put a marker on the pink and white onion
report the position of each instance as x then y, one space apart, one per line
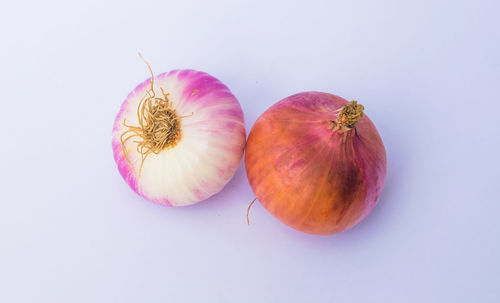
187 137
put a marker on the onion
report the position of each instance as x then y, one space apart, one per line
316 163
179 137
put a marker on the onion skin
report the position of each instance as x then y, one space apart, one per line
312 178
208 152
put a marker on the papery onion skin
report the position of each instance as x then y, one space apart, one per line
309 177
208 152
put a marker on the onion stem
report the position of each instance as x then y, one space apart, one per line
159 125
248 210
347 117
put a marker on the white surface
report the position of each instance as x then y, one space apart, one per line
72 231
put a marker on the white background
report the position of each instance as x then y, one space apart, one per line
72 231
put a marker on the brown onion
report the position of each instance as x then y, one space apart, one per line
316 162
